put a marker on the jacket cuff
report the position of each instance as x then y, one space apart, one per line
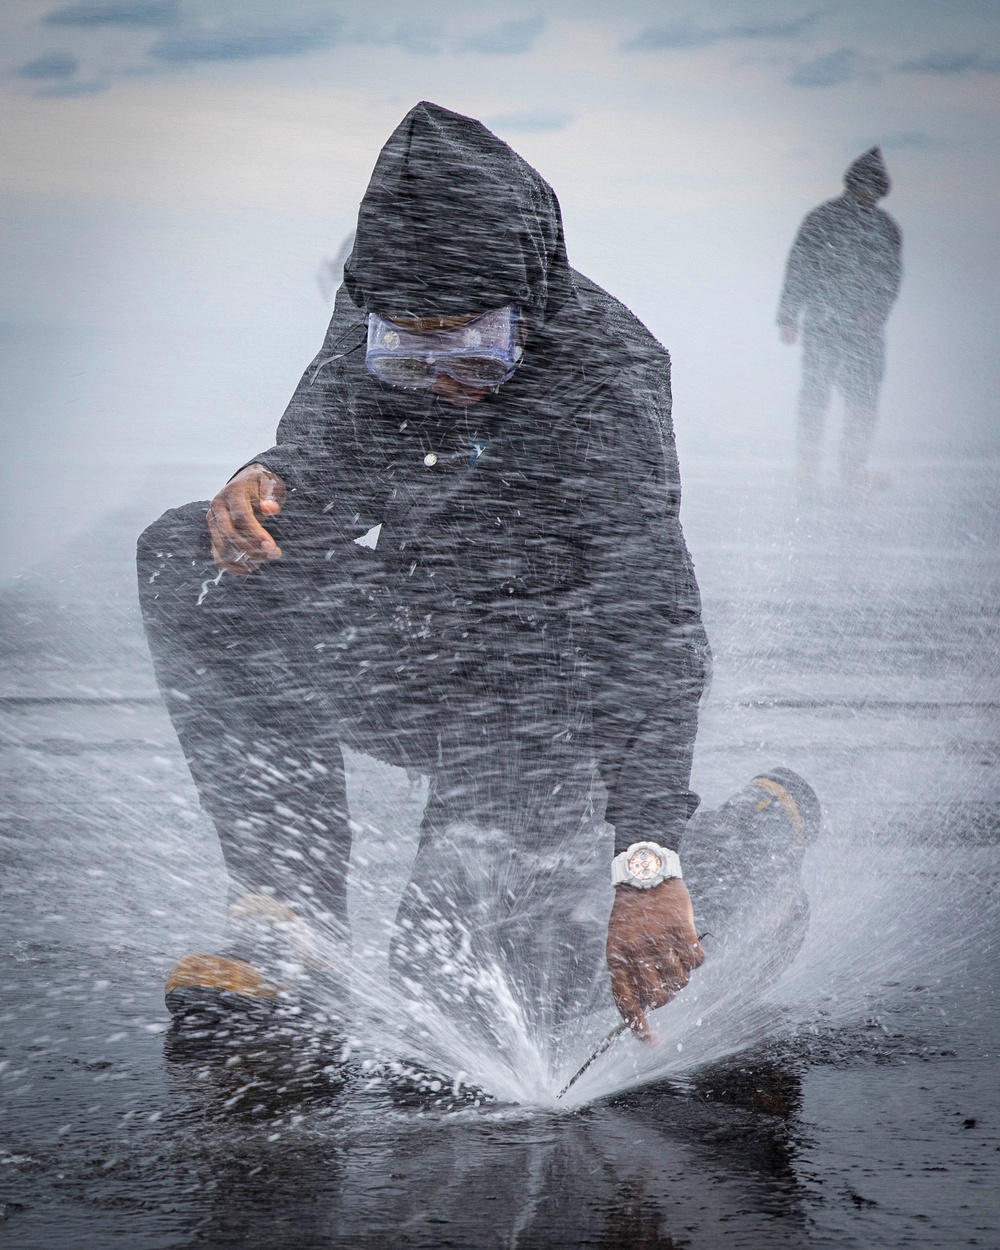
663 821
276 463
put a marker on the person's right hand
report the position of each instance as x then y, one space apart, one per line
240 544
789 333
652 949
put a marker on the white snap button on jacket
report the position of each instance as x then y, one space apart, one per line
430 460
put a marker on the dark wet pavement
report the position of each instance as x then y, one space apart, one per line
855 641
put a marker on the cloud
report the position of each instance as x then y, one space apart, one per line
71 90
949 63
829 70
655 38
790 29
507 39
236 43
420 39
156 13
679 35
51 65
531 120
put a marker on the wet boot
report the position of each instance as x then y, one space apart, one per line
270 967
743 865
409 1083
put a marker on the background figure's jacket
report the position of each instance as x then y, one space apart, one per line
557 497
845 264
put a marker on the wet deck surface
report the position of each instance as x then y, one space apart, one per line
855 641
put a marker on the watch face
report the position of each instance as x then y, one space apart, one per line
644 864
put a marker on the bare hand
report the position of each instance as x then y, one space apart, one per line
240 544
789 334
652 949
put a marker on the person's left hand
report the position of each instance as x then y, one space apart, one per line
652 949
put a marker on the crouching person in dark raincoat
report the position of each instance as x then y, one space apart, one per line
462 556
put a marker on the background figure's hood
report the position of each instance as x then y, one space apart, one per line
454 221
869 172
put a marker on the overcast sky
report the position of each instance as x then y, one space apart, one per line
172 173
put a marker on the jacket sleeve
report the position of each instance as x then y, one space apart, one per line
888 266
647 644
801 270
315 451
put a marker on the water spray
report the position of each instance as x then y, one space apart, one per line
599 1050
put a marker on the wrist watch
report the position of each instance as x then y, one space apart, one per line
644 865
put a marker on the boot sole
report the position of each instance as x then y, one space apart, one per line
205 1006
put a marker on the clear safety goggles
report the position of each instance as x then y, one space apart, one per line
482 352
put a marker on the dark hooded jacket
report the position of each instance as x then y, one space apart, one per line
555 499
845 265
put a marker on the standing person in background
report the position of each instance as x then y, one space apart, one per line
841 281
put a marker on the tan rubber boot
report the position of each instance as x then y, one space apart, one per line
269 954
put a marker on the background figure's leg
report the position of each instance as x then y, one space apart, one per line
228 656
742 864
819 367
860 379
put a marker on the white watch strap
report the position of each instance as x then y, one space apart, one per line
670 866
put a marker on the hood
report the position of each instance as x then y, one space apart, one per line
454 222
869 172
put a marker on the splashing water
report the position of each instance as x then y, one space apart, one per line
879 918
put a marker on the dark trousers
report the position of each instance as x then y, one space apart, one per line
854 363
266 675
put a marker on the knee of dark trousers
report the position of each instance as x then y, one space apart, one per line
264 754
204 627
180 583
179 534
173 566
305 640
176 550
